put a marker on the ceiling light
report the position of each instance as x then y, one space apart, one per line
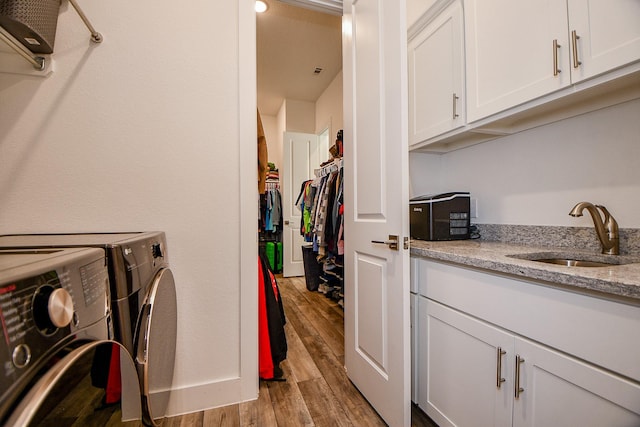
261 6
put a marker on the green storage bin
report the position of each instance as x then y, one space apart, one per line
270 251
279 257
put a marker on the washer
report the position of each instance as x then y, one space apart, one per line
143 300
55 316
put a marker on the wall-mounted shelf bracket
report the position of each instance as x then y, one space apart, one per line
38 62
96 37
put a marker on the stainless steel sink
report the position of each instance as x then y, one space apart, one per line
577 259
573 262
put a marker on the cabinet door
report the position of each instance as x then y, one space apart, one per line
413 302
510 53
436 81
459 367
558 390
608 35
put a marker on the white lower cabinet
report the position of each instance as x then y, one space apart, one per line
475 373
558 390
413 301
414 319
458 369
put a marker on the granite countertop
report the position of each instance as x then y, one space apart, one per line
616 281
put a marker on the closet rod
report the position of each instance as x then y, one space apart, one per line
95 36
325 170
38 62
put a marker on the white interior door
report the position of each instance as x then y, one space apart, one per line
301 156
377 327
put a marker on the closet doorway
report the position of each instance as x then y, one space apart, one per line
376 330
299 92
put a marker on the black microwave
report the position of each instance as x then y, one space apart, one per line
443 216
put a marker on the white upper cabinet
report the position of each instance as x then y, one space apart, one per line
436 76
510 52
604 35
520 50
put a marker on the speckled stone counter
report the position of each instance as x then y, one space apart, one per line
617 281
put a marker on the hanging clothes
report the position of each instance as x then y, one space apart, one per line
322 206
270 213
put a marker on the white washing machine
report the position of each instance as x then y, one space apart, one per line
56 325
143 300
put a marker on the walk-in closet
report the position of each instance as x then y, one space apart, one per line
299 94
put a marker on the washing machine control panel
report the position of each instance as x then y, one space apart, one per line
27 328
44 312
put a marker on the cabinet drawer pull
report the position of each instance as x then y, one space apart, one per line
499 379
455 106
574 47
556 46
517 387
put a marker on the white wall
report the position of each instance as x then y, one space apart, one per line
425 174
537 176
148 131
305 117
328 109
300 116
274 139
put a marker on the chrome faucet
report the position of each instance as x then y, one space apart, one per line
607 229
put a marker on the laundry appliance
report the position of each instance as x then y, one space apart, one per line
143 302
57 358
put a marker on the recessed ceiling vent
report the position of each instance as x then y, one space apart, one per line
317 70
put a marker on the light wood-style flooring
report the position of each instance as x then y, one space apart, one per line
317 391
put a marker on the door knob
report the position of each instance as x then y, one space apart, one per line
392 242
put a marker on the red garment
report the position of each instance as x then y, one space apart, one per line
114 386
265 361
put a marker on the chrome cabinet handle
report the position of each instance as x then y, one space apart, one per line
574 46
517 389
392 242
499 379
556 46
455 106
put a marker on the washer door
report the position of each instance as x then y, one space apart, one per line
74 390
156 346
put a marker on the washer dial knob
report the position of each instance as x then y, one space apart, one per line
60 308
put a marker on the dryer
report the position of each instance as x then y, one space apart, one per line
55 316
143 301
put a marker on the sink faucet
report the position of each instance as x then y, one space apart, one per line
607 230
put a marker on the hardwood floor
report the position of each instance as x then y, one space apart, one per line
317 391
